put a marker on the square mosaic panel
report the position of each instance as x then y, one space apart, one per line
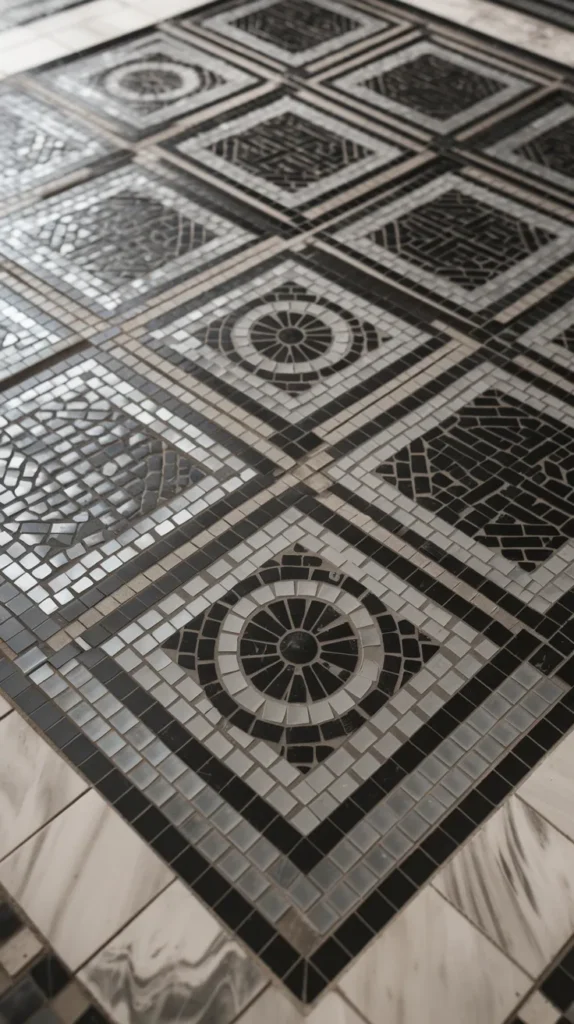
290 343
298 800
553 337
543 147
38 144
27 334
115 241
293 32
432 85
98 465
144 84
461 241
288 151
485 473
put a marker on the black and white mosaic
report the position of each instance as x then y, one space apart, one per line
142 85
112 242
286 468
95 470
291 340
545 147
486 475
39 144
432 85
293 33
28 335
460 240
288 151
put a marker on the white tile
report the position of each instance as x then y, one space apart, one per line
537 1010
275 1007
36 783
515 881
174 961
549 788
431 966
19 951
508 26
5 708
39 50
83 877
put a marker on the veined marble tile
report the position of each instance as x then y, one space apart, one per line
5 708
274 1007
537 1010
173 963
515 881
432 966
83 877
549 789
36 783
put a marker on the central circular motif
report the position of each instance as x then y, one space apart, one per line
149 81
299 647
298 650
290 337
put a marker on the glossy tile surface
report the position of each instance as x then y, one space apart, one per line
35 783
286 486
85 864
431 965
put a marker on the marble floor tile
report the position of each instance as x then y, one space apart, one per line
431 966
82 877
274 1006
537 1010
35 782
173 963
515 881
549 789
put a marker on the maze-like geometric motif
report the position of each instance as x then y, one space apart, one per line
289 151
461 238
295 26
553 149
500 472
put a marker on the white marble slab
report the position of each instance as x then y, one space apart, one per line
515 881
432 966
273 1007
36 783
537 1010
505 25
173 963
550 788
83 877
5 708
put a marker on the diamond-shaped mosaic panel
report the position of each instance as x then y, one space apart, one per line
467 243
27 334
39 144
288 151
117 239
545 147
488 475
89 463
294 33
299 655
433 86
147 82
291 339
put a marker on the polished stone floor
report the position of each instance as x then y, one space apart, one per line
286 517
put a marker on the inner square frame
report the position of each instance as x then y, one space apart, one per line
501 671
412 343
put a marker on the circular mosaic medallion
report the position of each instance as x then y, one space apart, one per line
153 81
291 337
300 655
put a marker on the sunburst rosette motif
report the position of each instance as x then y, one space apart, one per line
299 655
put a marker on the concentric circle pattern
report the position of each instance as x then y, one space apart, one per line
292 337
300 655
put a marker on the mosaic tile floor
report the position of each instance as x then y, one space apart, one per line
287 520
